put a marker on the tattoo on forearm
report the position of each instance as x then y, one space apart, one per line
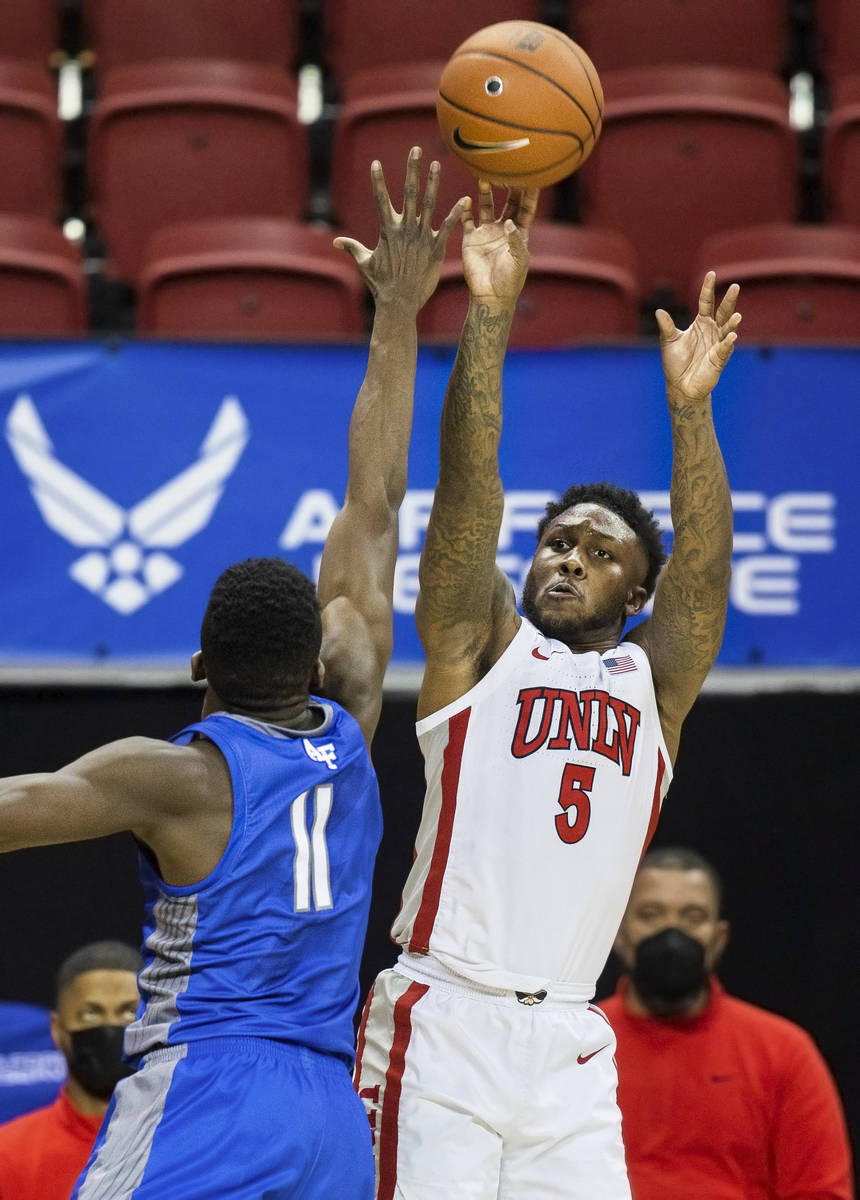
459 555
694 593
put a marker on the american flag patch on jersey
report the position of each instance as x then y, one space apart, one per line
619 665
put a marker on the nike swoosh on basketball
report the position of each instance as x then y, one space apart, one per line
583 1058
487 147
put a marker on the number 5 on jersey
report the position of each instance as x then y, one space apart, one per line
572 822
311 871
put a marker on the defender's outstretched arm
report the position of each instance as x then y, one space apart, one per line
357 570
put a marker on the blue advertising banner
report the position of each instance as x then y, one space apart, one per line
132 473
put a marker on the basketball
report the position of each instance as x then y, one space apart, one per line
520 104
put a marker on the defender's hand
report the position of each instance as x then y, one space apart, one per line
693 358
404 268
495 252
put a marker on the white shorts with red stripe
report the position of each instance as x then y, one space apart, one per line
481 1094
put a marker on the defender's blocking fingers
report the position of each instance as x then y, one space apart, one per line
380 192
410 187
355 249
430 192
454 218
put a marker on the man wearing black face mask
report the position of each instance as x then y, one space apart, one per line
719 1100
43 1153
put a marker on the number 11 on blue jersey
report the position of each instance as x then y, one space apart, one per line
311 864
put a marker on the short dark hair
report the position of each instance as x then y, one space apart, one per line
97 956
683 858
629 507
261 633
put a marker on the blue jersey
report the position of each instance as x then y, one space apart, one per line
268 945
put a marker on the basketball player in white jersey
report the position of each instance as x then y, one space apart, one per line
548 742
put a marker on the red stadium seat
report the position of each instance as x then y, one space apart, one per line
41 279
841 165
797 281
29 30
176 141
120 34
249 278
628 33
582 284
30 140
838 35
360 34
384 113
686 153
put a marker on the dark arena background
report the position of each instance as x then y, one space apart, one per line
172 308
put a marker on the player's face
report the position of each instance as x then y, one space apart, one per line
586 576
672 899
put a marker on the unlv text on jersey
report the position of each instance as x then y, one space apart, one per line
589 720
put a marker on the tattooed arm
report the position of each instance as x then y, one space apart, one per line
683 635
466 613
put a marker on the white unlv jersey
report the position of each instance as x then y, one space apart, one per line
544 784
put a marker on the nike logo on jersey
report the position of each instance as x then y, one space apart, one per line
582 1059
545 657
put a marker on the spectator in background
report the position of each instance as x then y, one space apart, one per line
43 1153
31 1067
719 1100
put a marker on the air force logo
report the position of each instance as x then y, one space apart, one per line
126 563
326 753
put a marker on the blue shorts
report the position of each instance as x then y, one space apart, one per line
233 1118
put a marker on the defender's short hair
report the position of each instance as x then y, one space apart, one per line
629 507
97 956
261 633
683 858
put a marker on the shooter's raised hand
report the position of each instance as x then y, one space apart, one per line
694 357
495 252
404 268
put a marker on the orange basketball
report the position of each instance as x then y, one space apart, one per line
520 104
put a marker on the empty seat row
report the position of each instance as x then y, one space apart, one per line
226 279
362 34
271 278
683 154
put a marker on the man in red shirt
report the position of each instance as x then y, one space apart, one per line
43 1153
719 1100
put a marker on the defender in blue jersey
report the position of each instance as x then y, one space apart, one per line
259 824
